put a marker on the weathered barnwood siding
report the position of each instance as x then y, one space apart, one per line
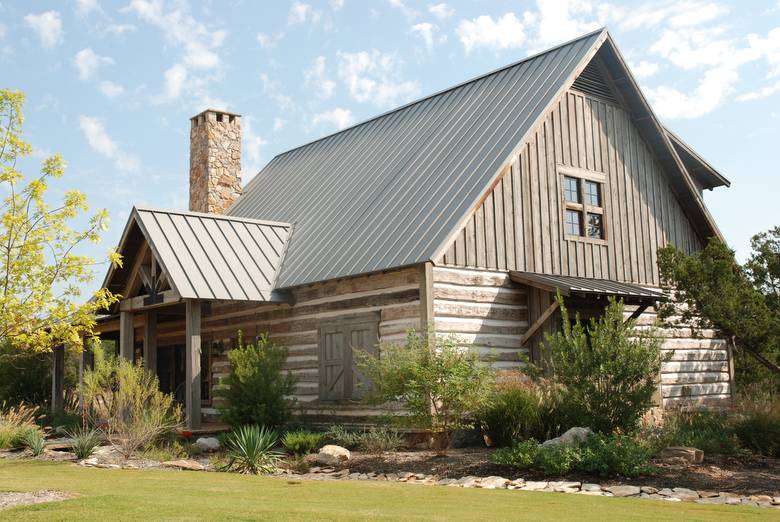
395 295
483 309
519 224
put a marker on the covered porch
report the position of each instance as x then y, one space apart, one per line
175 264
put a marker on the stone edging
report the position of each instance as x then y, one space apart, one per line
495 482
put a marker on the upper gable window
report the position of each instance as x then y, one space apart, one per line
583 203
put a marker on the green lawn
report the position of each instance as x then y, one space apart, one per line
152 494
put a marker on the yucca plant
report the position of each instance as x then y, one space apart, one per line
84 441
34 440
250 450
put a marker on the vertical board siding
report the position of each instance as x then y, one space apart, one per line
519 224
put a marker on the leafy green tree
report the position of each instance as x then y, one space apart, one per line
40 272
710 289
608 370
258 388
441 383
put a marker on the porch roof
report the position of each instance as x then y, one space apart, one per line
206 256
587 287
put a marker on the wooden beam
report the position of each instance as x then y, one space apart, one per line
426 295
538 323
57 378
135 304
192 350
133 274
639 310
150 341
126 335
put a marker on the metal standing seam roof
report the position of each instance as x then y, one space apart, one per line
569 285
209 256
388 192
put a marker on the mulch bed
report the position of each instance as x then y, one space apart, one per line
745 476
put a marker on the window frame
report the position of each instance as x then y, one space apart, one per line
345 325
583 208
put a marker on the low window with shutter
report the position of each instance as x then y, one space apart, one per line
340 379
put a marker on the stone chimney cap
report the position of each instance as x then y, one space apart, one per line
216 111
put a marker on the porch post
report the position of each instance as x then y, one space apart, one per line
126 335
57 378
192 399
150 341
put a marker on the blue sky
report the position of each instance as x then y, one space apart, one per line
112 85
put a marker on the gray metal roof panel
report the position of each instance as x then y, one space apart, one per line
584 285
209 256
389 191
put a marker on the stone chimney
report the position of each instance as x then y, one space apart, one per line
215 161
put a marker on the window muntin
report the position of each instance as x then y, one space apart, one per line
571 189
592 193
583 205
573 222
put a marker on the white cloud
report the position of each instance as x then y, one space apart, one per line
407 11
119 29
88 62
561 20
428 33
111 89
101 142
275 91
48 27
687 13
711 91
505 32
316 78
252 144
300 13
338 117
279 123
175 78
336 5
441 10
372 76
198 43
763 92
644 69
269 41
85 7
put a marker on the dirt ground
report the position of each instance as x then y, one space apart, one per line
752 476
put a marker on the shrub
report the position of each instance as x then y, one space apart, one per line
608 370
512 413
16 422
606 456
757 425
709 431
440 382
257 385
35 441
250 450
298 464
301 442
378 439
25 376
126 402
84 441
341 436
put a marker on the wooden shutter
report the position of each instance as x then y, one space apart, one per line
332 352
339 377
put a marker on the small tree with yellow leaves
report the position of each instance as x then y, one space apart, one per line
41 273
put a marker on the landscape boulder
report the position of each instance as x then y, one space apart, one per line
331 455
207 444
690 455
187 464
572 436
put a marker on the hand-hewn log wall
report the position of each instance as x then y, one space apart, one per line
483 309
698 372
395 295
519 224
